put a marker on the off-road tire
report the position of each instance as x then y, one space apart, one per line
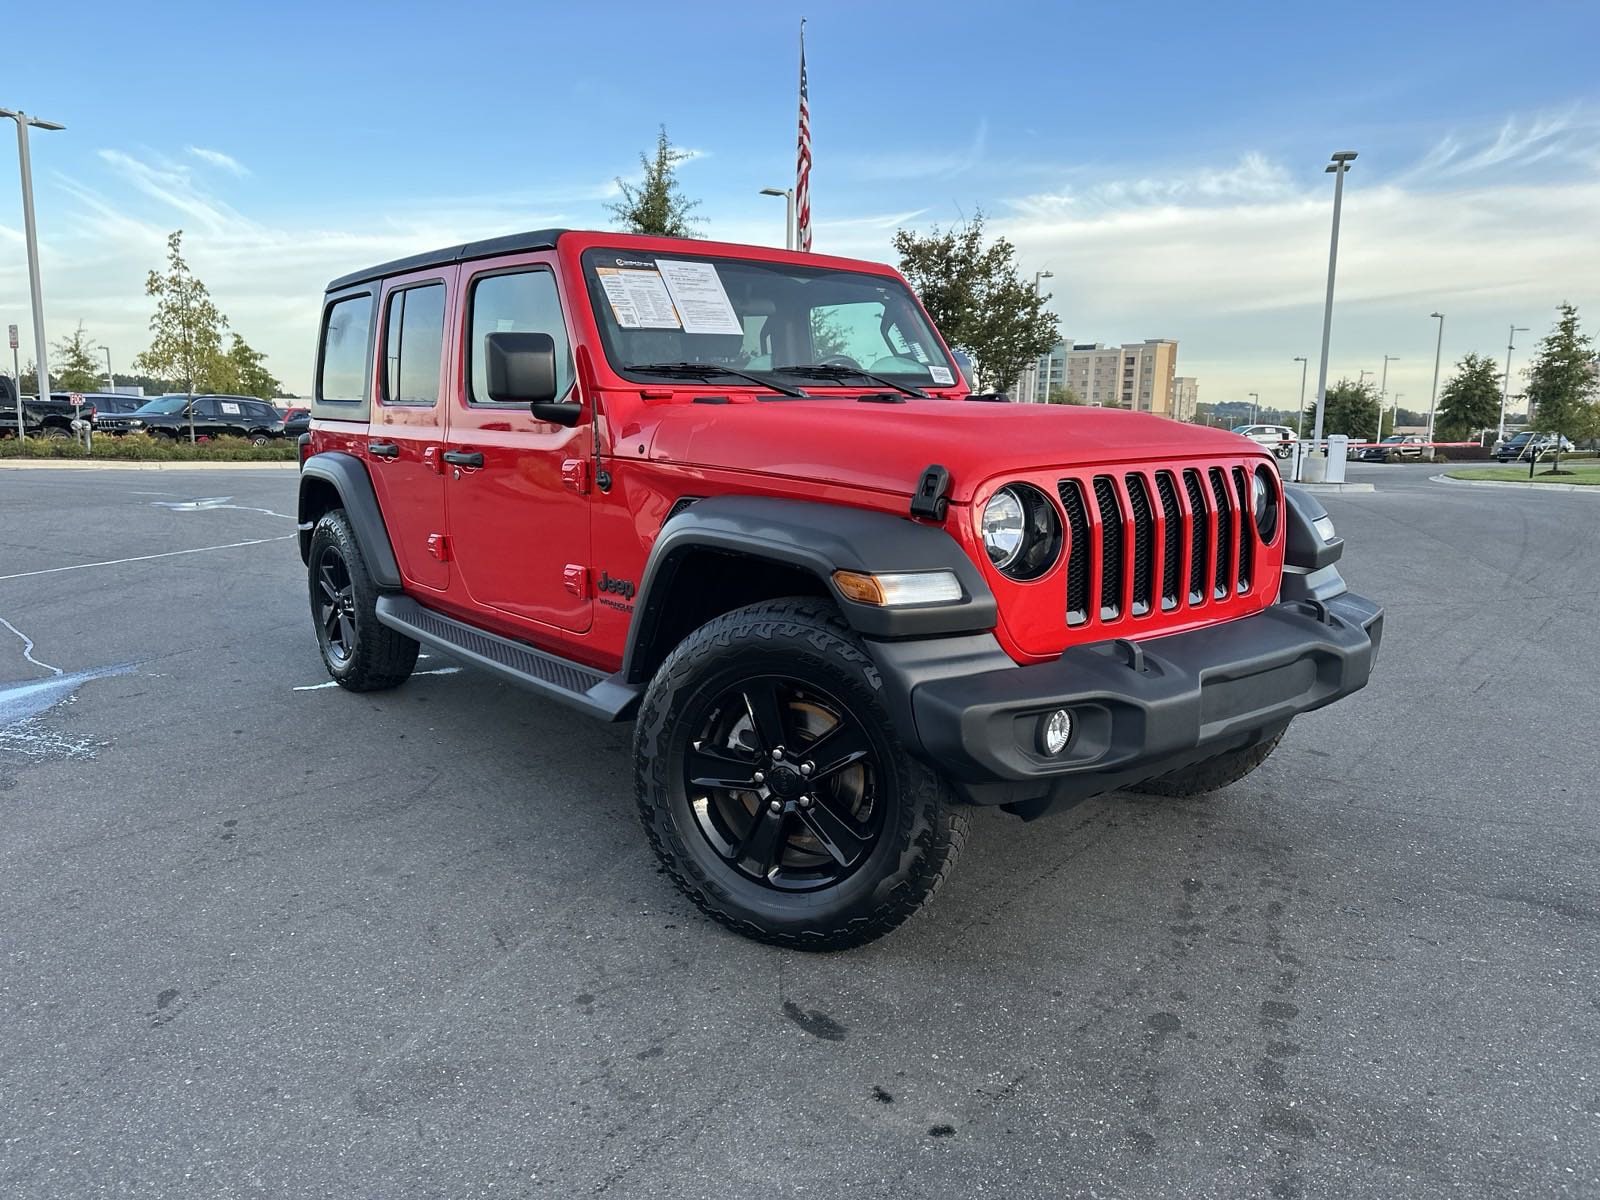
381 658
1211 774
923 828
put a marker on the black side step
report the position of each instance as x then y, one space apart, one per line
590 691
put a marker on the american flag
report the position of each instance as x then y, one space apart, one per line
802 181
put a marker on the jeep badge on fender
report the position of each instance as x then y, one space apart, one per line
998 604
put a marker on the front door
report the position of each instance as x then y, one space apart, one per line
406 437
517 492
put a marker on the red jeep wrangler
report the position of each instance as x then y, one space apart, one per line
744 498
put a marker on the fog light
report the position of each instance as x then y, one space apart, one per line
1055 731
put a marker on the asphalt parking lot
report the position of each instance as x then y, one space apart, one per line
264 938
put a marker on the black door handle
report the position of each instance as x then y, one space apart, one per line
464 458
383 450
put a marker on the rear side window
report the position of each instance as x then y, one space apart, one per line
519 302
413 332
346 334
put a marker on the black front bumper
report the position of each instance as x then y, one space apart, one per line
1138 709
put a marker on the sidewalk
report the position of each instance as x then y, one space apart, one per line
79 464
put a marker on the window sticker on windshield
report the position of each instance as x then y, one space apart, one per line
639 300
941 375
230 408
700 297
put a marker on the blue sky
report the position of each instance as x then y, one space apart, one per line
1164 162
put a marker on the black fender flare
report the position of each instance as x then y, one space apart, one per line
820 539
348 477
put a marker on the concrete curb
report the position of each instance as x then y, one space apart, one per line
78 464
1326 488
1526 487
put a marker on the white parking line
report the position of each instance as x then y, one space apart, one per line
117 562
317 687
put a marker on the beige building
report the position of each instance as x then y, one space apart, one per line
1138 376
1185 395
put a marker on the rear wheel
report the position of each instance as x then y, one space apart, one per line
360 652
1211 774
56 433
773 788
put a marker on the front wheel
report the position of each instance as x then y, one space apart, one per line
773 788
360 652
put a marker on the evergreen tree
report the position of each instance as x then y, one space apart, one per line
1561 383
656 205
75 369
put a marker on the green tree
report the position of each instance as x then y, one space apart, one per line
1351 409
657 205
186 330
975 297
1061 394
243 372
1470 400
1561 384
75 369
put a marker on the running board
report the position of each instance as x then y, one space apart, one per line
590 691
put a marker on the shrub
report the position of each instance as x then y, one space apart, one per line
140 447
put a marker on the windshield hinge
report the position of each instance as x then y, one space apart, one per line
929 500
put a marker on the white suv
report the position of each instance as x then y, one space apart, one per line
1277 438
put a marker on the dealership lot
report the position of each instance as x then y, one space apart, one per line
262 937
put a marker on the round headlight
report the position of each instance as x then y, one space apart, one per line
1003 528
1021 532
1265 503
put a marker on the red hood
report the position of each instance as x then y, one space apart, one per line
886 446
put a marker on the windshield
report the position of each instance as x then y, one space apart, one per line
165 404
755 317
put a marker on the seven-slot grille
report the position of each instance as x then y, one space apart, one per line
1186 534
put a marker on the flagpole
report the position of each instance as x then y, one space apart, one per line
802 181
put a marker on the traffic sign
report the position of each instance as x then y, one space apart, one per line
13 329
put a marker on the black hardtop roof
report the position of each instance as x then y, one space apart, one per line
511 243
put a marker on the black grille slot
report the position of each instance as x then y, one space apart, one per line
1171 539
1077 552
1219 489
1144 544
1247 530
1105 497
1199 538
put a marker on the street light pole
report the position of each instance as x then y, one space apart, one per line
111 384
788 213
1033 370
1433 401
30 229
1300 416
1255 409
1505 389
1383 391
1337 168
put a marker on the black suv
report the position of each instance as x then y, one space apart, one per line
214 416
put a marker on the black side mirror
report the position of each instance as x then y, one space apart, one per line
521 368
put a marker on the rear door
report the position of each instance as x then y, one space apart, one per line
518 488
405 435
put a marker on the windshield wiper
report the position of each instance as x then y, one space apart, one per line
694 370
839 371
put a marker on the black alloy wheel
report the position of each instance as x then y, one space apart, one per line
774 787
336 606
784 784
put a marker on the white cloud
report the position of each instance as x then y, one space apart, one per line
217 158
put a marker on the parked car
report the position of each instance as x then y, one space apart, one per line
1529 444
1279 439
835 619
106 403
214 416
297 422
50 418
1395 448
